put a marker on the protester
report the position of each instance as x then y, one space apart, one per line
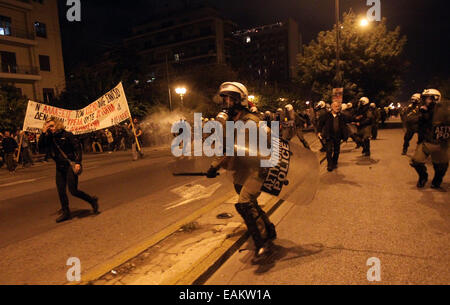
96 146
137 149
110 139
65 150
9 148
27 159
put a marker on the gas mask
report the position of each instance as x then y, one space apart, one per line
230 105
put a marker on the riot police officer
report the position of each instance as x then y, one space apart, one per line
248 175
363 120
434 133
376 120
293 125
320 113
411 121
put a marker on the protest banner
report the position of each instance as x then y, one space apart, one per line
109 110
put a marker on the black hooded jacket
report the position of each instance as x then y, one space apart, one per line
67 143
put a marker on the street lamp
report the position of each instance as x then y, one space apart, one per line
364 22
251 98
181 91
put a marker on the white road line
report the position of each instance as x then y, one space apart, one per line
17 182
193 193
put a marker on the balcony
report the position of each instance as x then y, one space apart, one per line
22 73
21 4
17 36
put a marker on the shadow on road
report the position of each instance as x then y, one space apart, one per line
82 214
285 254
329 179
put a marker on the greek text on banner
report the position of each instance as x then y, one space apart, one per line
110 109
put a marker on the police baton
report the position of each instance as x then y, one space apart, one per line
199 174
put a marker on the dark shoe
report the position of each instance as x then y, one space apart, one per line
422 181
94 204
435 186
330 169
404 153
323 149
263 253
64 217
439 173
367 154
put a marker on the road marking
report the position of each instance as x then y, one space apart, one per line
17 182
190 193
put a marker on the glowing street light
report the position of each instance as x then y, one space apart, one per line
364 22
251 98
181 91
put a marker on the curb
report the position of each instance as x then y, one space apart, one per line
210 263
124 256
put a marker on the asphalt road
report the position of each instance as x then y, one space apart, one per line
137 199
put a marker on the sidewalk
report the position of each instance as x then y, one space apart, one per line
367 208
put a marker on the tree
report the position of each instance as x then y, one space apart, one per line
370 61
13 106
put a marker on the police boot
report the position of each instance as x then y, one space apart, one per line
270 227
423 175
65 215
250 215
439 173
366 145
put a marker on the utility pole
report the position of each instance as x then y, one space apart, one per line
168 83
338 30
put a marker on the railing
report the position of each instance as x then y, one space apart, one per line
7 68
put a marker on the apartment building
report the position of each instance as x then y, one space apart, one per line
269 52
30 48
187 37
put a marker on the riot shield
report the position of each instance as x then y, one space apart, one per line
296 173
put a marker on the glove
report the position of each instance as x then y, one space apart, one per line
212 172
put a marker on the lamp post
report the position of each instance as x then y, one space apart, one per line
338 29
181 91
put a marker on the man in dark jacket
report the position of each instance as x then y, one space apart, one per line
9 148
333 129
64 148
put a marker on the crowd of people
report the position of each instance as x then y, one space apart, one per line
19 148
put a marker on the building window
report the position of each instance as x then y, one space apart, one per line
44 62
41 29
8 62
49 95
5 26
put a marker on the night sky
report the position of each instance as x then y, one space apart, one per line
425 23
